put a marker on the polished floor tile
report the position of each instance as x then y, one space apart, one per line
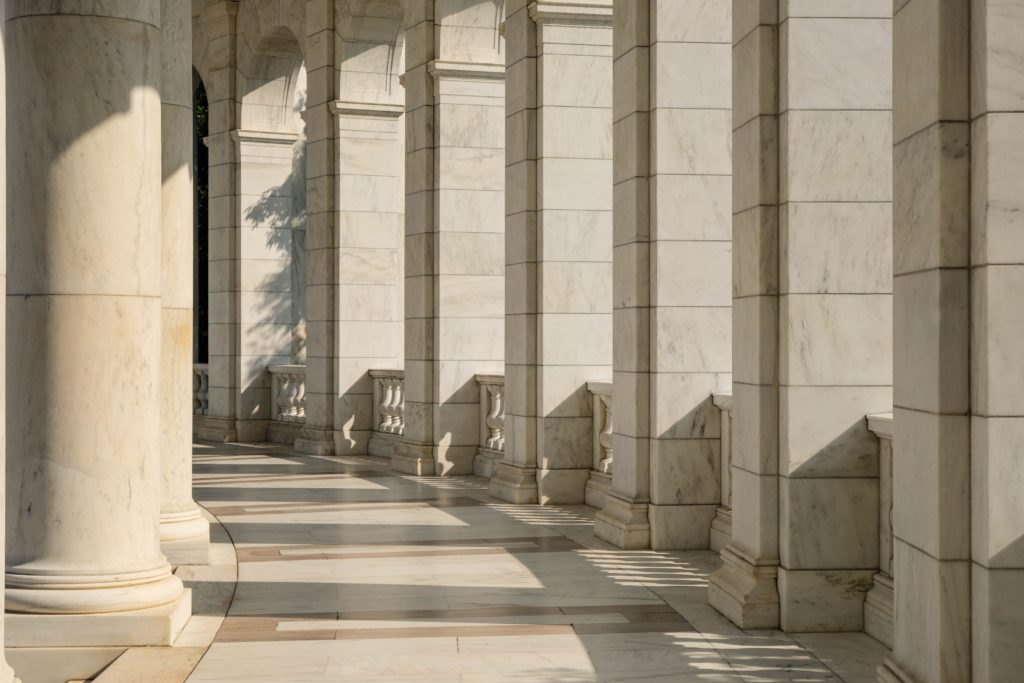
349 572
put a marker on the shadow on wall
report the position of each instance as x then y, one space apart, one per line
282 211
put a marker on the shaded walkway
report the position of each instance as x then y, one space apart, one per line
348 572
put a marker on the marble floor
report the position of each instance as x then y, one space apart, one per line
348 572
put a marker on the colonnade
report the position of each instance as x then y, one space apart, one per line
812 207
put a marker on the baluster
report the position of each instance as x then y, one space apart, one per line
197 382
204 392
495 416
293 397
387 393
300 401
399 406
280 385
605 438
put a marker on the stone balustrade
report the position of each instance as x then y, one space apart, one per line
878 606
601 470
288 389
200 388
288 407
492 425
388 411
721 526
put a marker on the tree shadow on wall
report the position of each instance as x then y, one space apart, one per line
281 210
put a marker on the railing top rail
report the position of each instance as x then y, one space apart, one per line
723 400
200 366
601 387
393 372
273 369
490 379
881 425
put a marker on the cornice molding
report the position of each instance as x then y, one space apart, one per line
264 137
440 69
572 12
372 109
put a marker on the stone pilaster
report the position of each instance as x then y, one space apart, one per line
355 243
673 266
184 532
958 422
83 301
997 323
558 244
744 589
454 272
218 23
812 311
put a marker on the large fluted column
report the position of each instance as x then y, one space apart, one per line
83 303
184 533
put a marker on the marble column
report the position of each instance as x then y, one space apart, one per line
812 311
673 269
184 532
958 511
6 673
83 304
454 231
558 248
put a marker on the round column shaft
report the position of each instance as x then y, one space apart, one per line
184 533
83 305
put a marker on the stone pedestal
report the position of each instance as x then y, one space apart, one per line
454 232
84 300
184 532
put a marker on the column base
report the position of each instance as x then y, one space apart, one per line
514 484
623 523
313 441
216 429
746 593
597 489
153 626
64 595
185 537
891 672
410 458
562 487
